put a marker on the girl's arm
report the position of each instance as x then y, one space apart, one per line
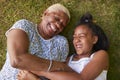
98 63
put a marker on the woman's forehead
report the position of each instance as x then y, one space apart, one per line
60 13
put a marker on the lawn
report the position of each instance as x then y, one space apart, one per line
105 12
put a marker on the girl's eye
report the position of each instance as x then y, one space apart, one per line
82 35
79 36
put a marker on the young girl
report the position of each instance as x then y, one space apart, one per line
90 62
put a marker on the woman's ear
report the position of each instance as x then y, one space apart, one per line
95 39
44 14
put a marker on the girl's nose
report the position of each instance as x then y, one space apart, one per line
77 39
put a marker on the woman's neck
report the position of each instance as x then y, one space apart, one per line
41 32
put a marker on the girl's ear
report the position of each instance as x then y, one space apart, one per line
95 39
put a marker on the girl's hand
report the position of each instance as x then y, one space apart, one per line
26 75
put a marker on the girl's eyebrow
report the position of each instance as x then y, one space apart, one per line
79 34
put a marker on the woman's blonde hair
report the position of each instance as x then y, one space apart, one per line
59 7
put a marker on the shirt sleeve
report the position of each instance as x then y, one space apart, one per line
64 49
22 24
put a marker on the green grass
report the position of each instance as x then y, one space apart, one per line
105 12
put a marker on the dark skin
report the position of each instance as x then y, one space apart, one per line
83 42
52 23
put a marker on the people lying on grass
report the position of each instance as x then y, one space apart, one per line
90 62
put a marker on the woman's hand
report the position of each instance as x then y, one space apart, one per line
26 75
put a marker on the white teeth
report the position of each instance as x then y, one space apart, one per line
78 46
53 28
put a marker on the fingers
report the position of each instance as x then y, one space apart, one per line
19 77
26 75
21 74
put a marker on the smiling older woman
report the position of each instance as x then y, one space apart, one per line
32 47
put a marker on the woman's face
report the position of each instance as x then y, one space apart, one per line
53 23
83 40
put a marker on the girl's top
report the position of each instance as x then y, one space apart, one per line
56 48
79 65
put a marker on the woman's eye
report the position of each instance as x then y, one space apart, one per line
57 18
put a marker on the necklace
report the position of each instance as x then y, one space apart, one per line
45 44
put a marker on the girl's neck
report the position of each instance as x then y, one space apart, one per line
79 56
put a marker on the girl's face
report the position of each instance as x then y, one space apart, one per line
83 40
53 23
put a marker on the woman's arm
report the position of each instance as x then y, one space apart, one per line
18 45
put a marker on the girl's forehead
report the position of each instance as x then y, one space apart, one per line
82 29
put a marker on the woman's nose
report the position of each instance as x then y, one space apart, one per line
60 25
